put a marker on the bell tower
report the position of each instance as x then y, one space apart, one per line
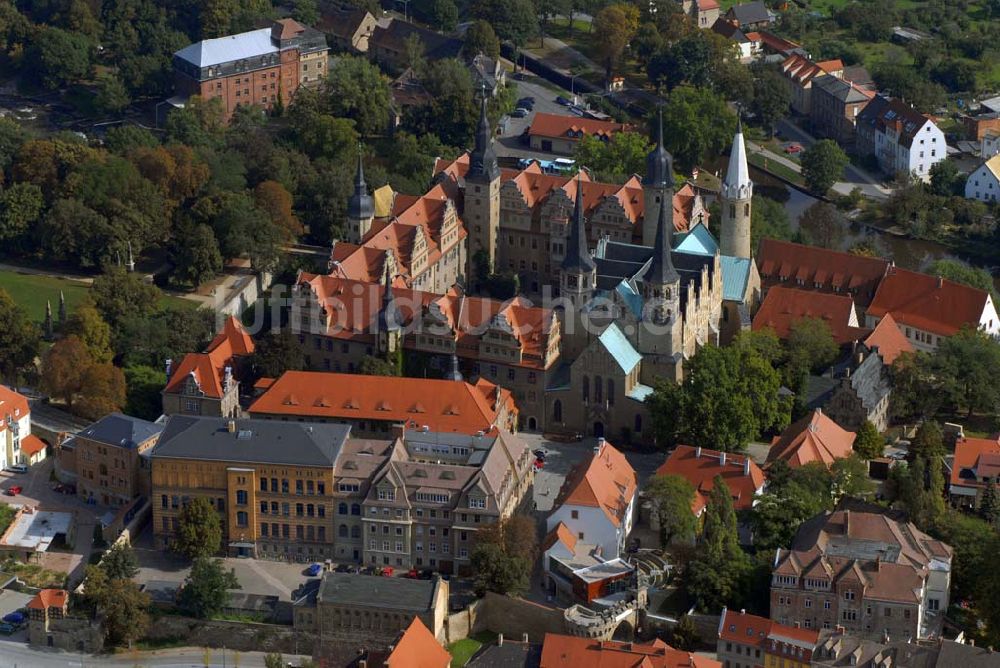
482 197
657 185
360 207
737 193
578 272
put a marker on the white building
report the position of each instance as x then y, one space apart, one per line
17 445
984 183
991 145
903 140
597 501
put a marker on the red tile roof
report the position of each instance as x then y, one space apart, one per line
31 445
706 5
607 481
442 405
975 458
49 598
700 466
561 534
418 648
559 651
889 339
739 627
814 438
930 303
13 405
208 368
802 71
569 127
812 268
783 307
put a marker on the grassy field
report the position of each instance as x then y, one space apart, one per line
32 291
463 650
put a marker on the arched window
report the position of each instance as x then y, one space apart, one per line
638 424
586 389
355 508
557 411
342 531
598 389
342 509
611 392
746 209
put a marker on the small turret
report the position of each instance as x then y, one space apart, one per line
737 193
360 206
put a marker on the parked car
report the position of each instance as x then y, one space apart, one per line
387 572
413 574
526 102
539 464
7 629
314 570
520 112
17 468
563 101
793 148
15 617
14 490
344 568
539 454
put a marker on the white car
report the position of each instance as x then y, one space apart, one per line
18 468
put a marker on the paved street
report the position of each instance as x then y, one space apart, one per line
15 653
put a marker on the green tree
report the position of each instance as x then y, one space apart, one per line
12 136
112 96
117 294
480 38
697 124
647 42
145 384
823 225
196 255
306 11
122 139
276 353
120 562
685 635
810 348
357 90
672 497
823 165
928 442
946 180
513 20
768 220
58 57
714 579
920 385
103 391
63 368
849 477
615 160
20 207
612 29
87 324
274 660
376 366
989 505
972 359
868 443
19 338
216 17
444 15
199 530
206 588
124 608
771 98
503 556
960 272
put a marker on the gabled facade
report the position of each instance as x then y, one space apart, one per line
976 466
800 73
704 13
903 140
814 438
700 466
17 444
983 183
597 502
749 640
112 459
559 651
555 133
834 107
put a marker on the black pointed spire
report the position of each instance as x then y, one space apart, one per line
483 159
360 205
659 163
661 270
389 318
577 257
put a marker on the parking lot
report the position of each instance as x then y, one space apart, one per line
510 143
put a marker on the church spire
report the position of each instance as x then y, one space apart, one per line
483 159
737 184
736 200
360 206
577 256
659 163
661 268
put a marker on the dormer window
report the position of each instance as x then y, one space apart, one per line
387 495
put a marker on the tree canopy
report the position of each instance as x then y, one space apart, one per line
823 165
199 530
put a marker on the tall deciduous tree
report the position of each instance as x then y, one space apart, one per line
19 339
503 555
272 198
823 165
276 353
697 124
615 160
613 27
102 391
122 605
714 579
672 497
206 589
480 38
958 271
199 530
868 443
810 348
63 369
823 225
196 255
120 562
87 324
513 20
771 98
59 57
21 206
118 294
357 90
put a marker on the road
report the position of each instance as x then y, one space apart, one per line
870 186
16 654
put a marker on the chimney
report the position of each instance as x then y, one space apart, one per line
231 426
940 282
697 452
746 466
839 628
500 640
797 624
743 611
169 363
398 430
722 459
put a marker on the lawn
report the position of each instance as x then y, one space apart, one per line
463 650
32 291
34 575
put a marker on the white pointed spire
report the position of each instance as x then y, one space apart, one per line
737 184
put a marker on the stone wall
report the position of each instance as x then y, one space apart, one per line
242 636
514 617
74 634
459 625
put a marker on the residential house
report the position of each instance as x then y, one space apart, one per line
927 308
371 405
350 27
834 107
746 641
750 15
976 466
748 42
559 651
407 90
887 339
487 73
51 625
263 67
389 607
701 466
814 438
48 604
704 13
800 73
512 344
112 459
416 647
836 647
984 182
820 270
576 570
854 390
977 127
17 444
390 37
555 133
902 140
207 383
597 501
507 653
783 307
864 569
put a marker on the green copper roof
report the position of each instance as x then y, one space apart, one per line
615 343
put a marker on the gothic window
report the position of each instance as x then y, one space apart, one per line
732 210
557 411
586 389
598 389
746 209
611 392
